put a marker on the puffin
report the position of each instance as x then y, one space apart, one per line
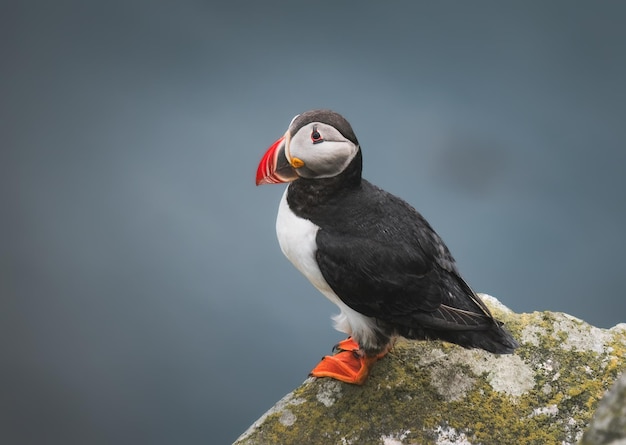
367 251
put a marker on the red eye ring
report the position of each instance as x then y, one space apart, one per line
316 137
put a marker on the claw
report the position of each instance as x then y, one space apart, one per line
347 365
346 345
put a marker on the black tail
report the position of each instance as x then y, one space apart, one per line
495 339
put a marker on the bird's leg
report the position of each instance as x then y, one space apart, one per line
349 364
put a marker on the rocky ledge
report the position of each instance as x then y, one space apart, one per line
439 393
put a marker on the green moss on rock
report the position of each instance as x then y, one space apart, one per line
438 393
608 426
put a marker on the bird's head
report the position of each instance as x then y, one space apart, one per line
318 144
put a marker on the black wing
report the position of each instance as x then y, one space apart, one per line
393 266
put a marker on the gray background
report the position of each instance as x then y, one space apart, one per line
144 298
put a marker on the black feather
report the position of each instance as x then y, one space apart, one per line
383 259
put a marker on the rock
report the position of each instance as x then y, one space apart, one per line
439 393
608 426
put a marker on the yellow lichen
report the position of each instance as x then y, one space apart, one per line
401 400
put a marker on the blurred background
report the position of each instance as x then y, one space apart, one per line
143 295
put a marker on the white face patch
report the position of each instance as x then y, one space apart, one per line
323 149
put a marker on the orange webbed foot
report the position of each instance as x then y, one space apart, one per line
348 365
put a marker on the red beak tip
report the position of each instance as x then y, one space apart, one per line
266 172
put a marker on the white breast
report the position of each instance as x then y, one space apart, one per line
296 237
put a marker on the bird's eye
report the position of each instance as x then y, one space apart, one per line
316 137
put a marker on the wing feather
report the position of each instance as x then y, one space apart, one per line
397 285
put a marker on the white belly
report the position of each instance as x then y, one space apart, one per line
296 237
